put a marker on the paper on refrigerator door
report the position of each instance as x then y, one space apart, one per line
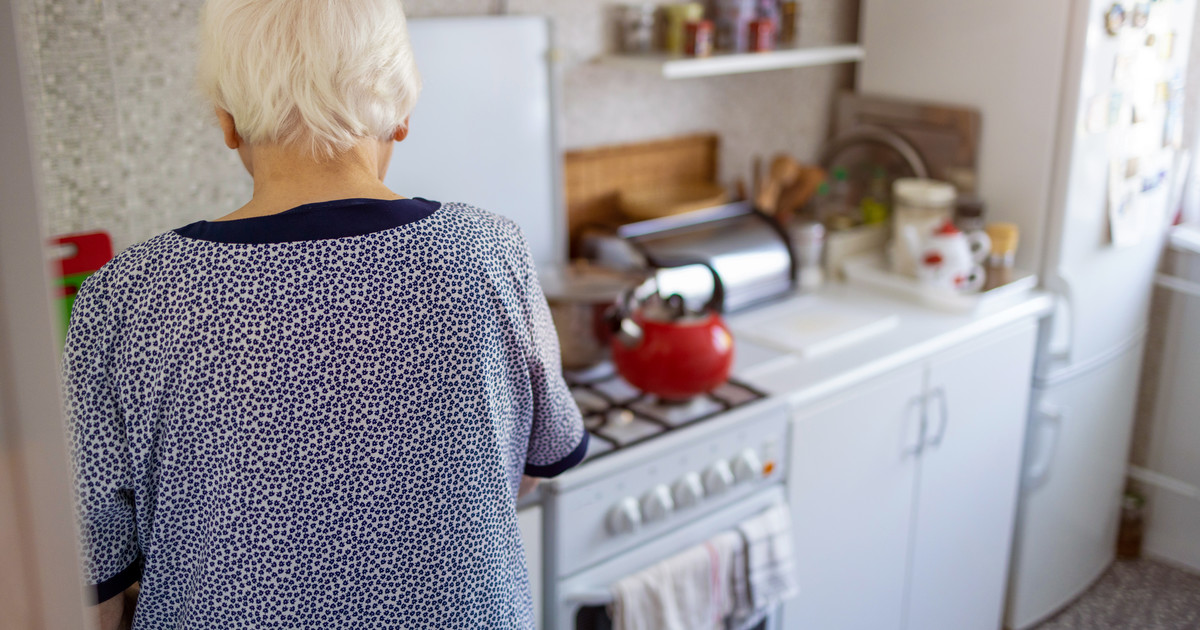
1126 211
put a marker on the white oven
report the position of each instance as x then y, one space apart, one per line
609 518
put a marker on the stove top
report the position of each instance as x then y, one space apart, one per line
618 415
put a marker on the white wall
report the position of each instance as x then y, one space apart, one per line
130 149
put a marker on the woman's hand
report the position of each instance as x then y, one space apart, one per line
528 484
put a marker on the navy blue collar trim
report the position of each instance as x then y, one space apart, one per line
315 222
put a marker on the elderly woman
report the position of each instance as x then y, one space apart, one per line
315 411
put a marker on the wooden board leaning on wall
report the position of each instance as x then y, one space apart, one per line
595 177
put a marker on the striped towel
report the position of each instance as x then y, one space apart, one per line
770 564
730 582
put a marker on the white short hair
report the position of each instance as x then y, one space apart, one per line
320 75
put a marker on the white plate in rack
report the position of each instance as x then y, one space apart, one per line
812 326
871 271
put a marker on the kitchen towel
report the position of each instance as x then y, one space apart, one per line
683 592
770 564
731 588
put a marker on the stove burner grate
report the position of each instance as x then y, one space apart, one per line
619 416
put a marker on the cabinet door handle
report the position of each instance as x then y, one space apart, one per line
939 394
915 447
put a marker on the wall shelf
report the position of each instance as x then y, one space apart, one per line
670 67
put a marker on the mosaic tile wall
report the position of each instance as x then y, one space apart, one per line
128 147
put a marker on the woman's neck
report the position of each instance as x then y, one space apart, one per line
285 178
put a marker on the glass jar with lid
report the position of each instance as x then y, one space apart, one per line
920 204
637 27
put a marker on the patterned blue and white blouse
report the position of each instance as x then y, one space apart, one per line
317 419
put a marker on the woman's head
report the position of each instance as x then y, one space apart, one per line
319 76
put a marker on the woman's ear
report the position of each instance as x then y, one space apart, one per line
229 128
401 132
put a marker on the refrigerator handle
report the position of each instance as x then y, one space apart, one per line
1048 428
1062 330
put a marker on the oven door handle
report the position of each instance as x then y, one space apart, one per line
595 597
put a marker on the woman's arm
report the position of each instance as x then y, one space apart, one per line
557 439
100 452
117 613
109 613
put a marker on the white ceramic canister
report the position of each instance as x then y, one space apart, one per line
922 205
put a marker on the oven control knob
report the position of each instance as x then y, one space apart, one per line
688 491
657 504
747 466
624 517
718 478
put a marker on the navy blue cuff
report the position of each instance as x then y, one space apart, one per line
562 465
117 584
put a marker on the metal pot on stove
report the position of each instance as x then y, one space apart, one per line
664 348
580 297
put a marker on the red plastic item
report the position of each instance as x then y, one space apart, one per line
89 252
698 39
677 360
762 35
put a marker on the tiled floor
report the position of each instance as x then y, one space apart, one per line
1135 595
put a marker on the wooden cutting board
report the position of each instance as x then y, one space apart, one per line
595 177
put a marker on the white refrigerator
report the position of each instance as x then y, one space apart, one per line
1082 113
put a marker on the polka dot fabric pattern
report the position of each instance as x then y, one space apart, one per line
325 433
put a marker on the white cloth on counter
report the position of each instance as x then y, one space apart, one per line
729 582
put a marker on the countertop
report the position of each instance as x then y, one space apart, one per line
920 333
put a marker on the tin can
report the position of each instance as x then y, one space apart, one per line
699 38
637 22
732 20
789 22
677 18
762 35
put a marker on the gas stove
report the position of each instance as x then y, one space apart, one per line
619 416
659 477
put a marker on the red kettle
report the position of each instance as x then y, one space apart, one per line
662 348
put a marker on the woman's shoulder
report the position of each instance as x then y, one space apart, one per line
474 214
129 267
490 226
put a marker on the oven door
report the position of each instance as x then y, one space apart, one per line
580 602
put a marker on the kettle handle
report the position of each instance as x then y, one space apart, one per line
716 303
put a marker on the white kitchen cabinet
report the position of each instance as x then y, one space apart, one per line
852 483
529 520
904 492
969 479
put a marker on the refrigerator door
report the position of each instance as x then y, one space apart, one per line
1075 476
1103 274
488 86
